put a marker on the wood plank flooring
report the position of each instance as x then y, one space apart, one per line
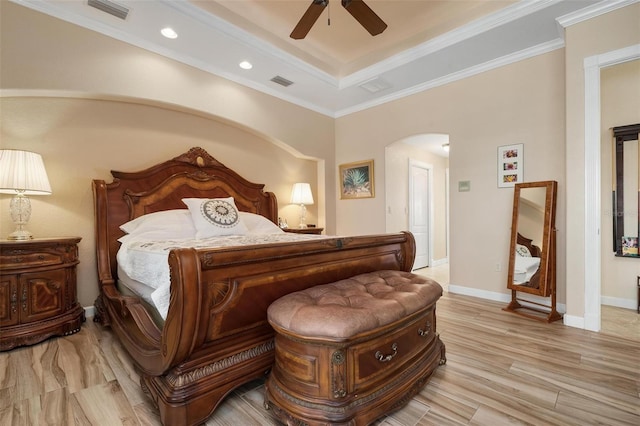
502 369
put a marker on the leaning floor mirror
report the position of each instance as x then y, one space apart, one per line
532 255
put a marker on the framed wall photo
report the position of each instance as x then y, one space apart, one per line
510 165
356 180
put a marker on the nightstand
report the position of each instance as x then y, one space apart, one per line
38 296
317 231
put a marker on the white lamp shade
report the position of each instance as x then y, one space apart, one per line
301 194
23 171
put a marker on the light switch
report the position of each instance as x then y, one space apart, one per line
464 186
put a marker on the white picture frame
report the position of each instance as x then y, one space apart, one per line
510 165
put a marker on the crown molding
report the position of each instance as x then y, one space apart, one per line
468 72
593 11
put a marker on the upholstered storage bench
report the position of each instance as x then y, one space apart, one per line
354 350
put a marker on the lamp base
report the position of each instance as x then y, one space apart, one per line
303 217
20 208
20 235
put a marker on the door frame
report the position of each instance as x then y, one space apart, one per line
592 210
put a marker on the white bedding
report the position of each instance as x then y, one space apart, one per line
146 261
524 269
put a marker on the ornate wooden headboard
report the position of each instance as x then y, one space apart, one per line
195 174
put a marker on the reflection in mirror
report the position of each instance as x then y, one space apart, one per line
625 190
532 263
530 234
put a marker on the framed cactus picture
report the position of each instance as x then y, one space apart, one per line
356 180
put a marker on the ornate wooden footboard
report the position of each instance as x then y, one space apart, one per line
216 336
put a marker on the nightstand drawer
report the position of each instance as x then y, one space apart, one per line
13 259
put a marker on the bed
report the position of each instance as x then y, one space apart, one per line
526 271
214 336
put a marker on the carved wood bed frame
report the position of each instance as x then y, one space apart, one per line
216 336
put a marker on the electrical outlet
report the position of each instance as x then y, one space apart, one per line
498 267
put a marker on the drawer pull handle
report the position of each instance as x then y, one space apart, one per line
422 332
386 358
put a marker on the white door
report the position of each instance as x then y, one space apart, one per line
420 211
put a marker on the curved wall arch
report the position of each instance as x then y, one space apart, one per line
83 139
423 148
45 55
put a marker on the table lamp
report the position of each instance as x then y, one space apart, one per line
301 194
22 173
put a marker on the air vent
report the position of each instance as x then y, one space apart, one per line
375 85
110 7
282 81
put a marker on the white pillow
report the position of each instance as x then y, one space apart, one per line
214 217
259 225
522 251
165 224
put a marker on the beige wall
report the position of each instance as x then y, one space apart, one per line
620 105
605 33
518 103
397 157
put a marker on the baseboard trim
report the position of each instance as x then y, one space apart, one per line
619 302
573 321
439 262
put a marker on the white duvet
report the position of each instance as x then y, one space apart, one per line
146 261
524 269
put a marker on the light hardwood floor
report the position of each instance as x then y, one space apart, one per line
502 369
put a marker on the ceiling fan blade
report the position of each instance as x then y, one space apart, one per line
308 19
363 14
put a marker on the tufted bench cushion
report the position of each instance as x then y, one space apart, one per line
354 305
353 350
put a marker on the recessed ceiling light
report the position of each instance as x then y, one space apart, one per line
245 65
169 32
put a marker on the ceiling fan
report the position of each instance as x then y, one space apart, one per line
357 8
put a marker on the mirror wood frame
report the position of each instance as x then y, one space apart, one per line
543 283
